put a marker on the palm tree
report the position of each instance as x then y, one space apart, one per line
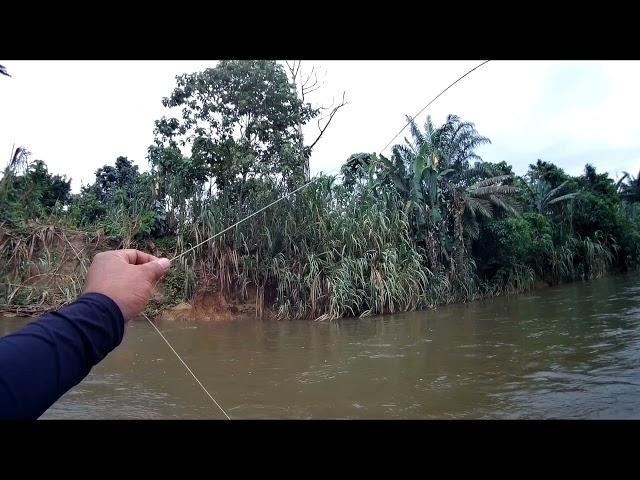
432 171
471 202
458 141
481 199
18 163
415 169
629 190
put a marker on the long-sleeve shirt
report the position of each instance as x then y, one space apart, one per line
46 358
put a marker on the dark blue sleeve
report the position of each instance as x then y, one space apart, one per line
45 359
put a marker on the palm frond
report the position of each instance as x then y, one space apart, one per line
504 203
553 192
480 205
562 198
493 180
495 189
418 137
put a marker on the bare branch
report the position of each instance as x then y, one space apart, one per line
305 84
298 65
307 90
306 80
310 84
328 122
293 68
290 68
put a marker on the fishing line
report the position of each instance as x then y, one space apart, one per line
287 195
270 205
186 366
434 99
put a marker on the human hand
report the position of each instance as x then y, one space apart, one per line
127 277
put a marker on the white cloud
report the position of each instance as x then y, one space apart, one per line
79 115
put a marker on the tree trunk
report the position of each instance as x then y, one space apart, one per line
305 167
459 234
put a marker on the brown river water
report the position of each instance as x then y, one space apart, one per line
571 351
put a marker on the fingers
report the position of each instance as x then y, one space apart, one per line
157 269
153 267
136 257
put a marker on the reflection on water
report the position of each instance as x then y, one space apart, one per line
566 352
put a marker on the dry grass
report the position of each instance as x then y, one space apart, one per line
43 266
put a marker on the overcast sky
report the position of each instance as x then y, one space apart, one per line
78 116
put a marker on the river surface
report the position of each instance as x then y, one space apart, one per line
565 352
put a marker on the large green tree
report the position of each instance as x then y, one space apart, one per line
110 179
240 120
29 190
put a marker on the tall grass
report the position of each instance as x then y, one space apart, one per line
585 258
323 255
40 267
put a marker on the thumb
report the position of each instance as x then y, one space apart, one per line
156 269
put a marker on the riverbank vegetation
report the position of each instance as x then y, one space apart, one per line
429 223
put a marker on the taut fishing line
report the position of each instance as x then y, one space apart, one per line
287 195
186 366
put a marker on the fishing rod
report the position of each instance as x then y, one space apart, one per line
269 206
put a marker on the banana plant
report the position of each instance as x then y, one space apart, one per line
418 185
543 196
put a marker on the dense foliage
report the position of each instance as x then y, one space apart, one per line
431 223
